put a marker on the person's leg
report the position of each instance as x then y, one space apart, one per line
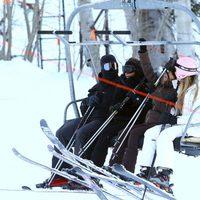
118 150
83 136
100 149
165 148
131 152
149 145
165 157
64 134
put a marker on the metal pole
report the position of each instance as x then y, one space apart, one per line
118 4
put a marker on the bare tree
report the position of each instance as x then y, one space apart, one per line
154 25
6 30
184 30
33 28
91 53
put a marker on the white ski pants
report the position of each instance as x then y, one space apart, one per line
162 144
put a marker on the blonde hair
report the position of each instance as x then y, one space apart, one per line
184 85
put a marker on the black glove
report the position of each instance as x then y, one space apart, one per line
167 118
150 87
143 48
171 97
93 100
134 97
170 64
115 107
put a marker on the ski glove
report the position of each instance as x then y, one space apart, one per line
143 48
93 100
134 97
170 64
167 118
150 87
116 107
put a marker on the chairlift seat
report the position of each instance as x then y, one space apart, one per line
190 146
195 140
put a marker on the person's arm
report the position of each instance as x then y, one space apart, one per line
147 68
146 63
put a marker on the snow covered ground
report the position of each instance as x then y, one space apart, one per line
29 94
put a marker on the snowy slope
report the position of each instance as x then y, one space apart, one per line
29 94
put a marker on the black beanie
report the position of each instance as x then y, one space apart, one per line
107 59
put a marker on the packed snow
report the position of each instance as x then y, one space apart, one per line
29 94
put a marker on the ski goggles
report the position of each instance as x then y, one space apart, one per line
110 66
128 68
185 68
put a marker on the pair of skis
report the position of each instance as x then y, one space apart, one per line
88 171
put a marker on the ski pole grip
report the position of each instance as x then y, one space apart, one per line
157 81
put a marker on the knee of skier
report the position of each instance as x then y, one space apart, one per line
164 138
149 135
58 134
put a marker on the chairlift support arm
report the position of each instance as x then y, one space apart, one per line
118 4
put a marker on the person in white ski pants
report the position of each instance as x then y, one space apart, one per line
160 141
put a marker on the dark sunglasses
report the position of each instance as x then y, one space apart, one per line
110 66
128 68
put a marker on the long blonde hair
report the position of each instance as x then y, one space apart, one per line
184 85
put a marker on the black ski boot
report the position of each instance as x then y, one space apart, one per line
144 173
162 179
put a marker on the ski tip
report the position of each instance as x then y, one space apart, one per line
50 148
15 151
42 121
24 187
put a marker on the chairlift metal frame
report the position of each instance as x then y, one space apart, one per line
120 5
190 148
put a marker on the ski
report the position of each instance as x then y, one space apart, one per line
121 171
63 174
91 183
117 183
96 172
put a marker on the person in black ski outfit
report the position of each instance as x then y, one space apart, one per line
132 76
100 97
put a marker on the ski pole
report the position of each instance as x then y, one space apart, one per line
152 164
138 111
102 127
97 133
70 144
81 123
129 127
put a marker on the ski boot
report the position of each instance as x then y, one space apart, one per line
72 185
162 179
57 182
144 173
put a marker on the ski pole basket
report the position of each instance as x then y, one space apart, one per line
190 145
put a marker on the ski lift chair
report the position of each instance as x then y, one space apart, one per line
190 145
